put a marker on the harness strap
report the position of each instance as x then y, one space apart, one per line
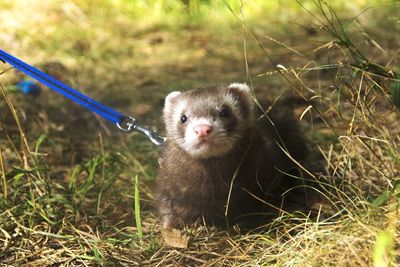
124 123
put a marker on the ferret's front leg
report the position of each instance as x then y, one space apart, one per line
170 219
171 226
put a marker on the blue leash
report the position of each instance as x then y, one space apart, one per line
124 123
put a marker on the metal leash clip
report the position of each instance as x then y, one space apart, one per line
129 124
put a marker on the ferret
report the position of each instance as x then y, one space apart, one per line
224 162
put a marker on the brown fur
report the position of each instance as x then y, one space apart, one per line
227 188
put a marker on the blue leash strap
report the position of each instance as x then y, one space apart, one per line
63 89
124 123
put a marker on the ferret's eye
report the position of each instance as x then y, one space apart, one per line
224 113
183 119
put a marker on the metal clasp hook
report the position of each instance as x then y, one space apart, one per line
129 124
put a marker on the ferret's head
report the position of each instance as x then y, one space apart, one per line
208 122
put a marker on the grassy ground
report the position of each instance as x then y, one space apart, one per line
68 177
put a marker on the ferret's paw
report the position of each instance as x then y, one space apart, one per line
174 238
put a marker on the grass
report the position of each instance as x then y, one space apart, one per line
71 184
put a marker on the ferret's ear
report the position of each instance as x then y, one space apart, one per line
240 86
170 98
243 93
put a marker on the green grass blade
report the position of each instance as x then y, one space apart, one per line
137 209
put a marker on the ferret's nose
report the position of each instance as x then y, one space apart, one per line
202 130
